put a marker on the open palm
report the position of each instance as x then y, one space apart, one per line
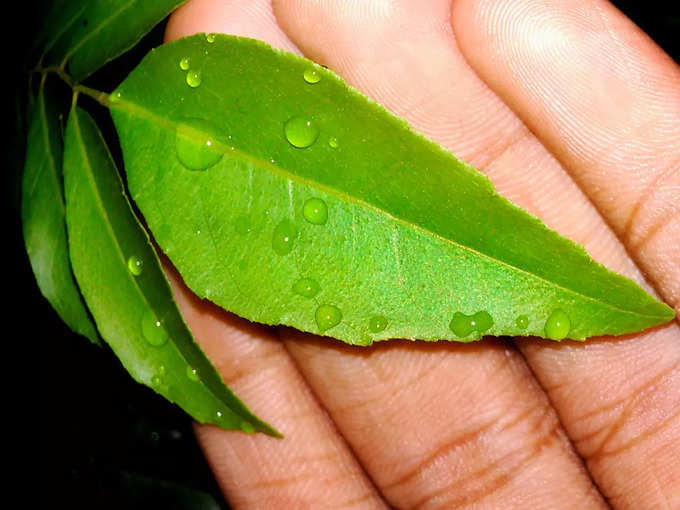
574 114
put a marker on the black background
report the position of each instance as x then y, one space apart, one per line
106 441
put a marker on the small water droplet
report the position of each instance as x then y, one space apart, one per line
195 143
242 225
185 64
135 265
315 211
219 414
247 427
301 132
558 325
462 325
377 323
522 321
193 79
306 287
210 38
161 370
311 76
116 97
333 143
283 238
153 330
192 374
327 316
155 381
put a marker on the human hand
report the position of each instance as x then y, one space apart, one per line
574 114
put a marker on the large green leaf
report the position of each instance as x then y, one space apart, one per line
42 213
126 290
88 34
287 197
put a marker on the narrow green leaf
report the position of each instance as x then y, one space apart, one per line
87 35
126 290
42 214
285 196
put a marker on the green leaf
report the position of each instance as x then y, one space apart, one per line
87 35
126 290
297 201
42 213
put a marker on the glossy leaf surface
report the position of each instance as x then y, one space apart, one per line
44 224
300 202
88 34
126 290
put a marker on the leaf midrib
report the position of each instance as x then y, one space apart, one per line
134 108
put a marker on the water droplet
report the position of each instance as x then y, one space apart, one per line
153 330
242 225
210 38
219 414
315 211
311 76
306 287
283 239
135 265
558 325
192 374
333 143
155 381
522 321
247 427
115 98
184 64
301 132
327 316
161 370
377 323
462 325
193 79
196 146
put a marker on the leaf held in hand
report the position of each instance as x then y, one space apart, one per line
254 178
126 290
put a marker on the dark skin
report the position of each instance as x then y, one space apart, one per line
574 114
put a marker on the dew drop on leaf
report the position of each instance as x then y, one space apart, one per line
558 325
522 321
210 38
283 238
135 265
311 76
153 330
315 211
195 145
301 132
192 374
327 316
462 325
185 64
155 381
377 323
306 287
333 143
193 79
247 427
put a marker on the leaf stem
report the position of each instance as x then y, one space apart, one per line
101 97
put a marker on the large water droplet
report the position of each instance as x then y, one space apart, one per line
283 238
153 330
306 287
311 76
185 64
327 316
315 211
558 325
377 323
247 427
301 132
195 144
462 325
192 373
522 321
135 265
193 79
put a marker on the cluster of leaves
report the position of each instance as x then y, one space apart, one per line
282 195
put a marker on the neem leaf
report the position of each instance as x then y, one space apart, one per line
42 213
126 290
87 35
287 197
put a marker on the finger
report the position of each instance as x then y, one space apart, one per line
433 424
312 463
604 99
618 399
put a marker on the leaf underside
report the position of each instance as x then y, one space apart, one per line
126 291
413 240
